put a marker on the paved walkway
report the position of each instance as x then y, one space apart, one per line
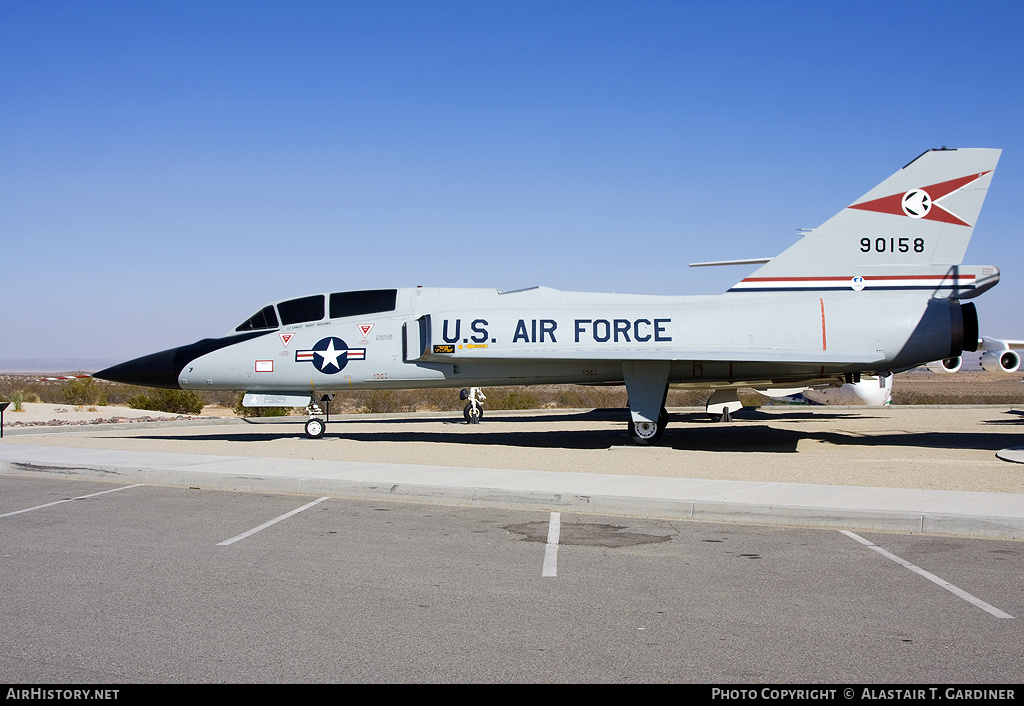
976 514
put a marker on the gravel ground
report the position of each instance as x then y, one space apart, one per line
42 414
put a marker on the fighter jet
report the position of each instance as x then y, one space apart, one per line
874 290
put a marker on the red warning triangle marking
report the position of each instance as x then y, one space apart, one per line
285 338
365 328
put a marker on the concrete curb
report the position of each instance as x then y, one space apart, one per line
983 515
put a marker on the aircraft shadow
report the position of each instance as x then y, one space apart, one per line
607 414
1015 420
707 437
687 432
757 414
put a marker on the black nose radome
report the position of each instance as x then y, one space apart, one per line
162 369
154 370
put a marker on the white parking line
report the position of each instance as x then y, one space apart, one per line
67 500
551 549
931 577
268 523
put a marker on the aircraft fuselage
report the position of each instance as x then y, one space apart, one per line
460 337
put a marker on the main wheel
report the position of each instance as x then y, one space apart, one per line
315 428
648 433
473 413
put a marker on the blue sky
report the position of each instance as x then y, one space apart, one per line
166 169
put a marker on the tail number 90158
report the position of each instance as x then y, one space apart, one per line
891 245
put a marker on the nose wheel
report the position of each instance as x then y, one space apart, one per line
315 427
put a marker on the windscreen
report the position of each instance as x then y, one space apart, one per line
263 319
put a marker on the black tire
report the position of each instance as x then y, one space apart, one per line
649 440
473 415
315 428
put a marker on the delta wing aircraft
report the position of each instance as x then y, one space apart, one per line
874 290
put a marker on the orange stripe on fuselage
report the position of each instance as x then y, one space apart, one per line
823 346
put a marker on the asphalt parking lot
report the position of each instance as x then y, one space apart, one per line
118 584
531 548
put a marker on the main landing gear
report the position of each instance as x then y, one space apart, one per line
474 411
647 387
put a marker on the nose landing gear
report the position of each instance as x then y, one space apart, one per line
315 427
474 411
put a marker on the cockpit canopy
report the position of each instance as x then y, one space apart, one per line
303 309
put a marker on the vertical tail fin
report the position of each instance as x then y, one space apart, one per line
909 232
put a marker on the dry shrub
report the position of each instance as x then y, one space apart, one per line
511 398
514 397
585 396
382 402
81 391
173 401
443 399
687 398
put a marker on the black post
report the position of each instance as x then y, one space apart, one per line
3 406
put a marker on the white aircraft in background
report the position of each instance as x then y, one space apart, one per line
997 356
870 391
